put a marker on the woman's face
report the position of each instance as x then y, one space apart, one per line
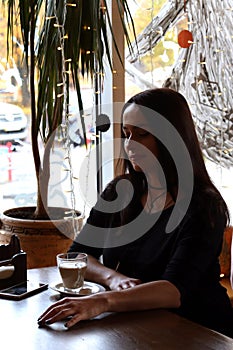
140 145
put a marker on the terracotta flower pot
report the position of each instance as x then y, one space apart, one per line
42 240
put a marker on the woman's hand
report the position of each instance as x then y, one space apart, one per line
152 295
117 281
108 277
78 308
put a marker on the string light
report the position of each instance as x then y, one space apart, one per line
62 37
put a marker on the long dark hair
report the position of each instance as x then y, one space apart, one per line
174 108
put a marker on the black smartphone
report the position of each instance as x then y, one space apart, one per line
22 290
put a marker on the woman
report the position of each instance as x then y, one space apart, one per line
158 227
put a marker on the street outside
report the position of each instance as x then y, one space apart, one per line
17 178
18 181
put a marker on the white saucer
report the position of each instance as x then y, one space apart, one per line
88 288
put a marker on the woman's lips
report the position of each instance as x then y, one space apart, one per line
135 158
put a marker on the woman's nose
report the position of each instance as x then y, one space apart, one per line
131 142
129 139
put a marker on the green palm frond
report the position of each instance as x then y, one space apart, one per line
63 41
86 23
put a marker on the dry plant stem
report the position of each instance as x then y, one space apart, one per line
40 211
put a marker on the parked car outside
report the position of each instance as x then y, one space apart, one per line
13 123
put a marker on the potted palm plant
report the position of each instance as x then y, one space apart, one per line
63 40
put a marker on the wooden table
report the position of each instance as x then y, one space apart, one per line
155 329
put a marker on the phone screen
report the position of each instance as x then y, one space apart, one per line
23 290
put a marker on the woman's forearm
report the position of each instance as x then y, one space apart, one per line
152 295
99 273
156 294
112 279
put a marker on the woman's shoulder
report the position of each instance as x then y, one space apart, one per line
118 178
209 201
207 209
112 189
114 185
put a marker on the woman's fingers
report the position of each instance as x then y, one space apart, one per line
75 319
128 284
76 308
60 302
56 315
56 312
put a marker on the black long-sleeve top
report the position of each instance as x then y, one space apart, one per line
186 257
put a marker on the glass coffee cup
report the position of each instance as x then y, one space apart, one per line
72 268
